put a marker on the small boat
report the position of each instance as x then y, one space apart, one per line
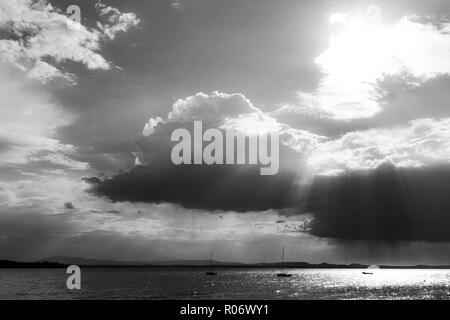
370 269
210 272
282 274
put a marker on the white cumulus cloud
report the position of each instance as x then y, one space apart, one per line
117 21
232 111
422 142
36 32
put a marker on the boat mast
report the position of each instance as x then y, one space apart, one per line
210 259
282 258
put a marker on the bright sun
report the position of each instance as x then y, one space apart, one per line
362 51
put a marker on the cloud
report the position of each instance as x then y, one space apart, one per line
420 143
45 73
69 206
387 204
232 111
212 187
37 32
216 106
218 109
216 187
149 128
29 121
38 220
117 21
177 5
362 51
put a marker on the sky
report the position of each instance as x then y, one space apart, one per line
358 92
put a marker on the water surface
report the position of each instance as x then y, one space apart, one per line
228 284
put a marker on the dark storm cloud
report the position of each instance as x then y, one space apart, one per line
386 204
210 187
216 187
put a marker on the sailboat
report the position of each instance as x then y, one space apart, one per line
210 272
284 275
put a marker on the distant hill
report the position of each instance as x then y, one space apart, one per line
18 265
63 262
97 262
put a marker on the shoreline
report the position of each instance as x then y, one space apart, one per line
7 264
